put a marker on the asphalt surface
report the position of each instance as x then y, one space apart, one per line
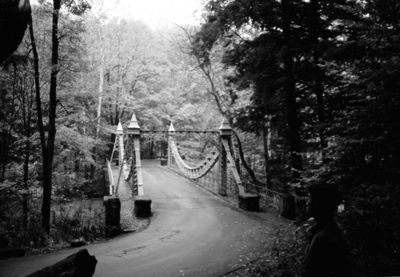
192 233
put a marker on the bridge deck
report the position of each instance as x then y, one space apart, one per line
192 233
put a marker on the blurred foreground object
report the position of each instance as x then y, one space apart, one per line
79 264
14 17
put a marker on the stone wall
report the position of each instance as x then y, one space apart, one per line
271 201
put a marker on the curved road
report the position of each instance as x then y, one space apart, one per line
192 233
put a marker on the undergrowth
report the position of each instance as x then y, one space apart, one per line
32 237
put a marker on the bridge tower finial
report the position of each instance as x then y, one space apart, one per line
133 126
120 130
171 128
225 129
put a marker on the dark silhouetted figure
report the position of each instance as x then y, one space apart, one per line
327 254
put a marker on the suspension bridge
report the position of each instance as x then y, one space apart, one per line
217 171
194 231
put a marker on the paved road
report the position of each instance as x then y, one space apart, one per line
192 233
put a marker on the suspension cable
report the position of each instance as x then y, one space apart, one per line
198 171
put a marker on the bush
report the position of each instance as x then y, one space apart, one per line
372 215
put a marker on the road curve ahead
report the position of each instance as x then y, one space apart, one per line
192 233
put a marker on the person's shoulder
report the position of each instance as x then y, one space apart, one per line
329 233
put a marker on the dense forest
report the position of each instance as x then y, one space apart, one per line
308 86
324 74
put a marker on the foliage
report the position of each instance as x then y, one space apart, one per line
144 71
339 59
33 238
284 258
12 232
311 87
21 157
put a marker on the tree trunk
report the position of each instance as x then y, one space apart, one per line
46 202
101 86
37 89
26 117
152 149
245 164
294 136
265 136
318 87
25 211
40 122
92 168
319 91
53 84
289 89
25 182
47 147
48 159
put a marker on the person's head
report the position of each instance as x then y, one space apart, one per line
324 200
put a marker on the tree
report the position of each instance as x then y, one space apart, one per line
249 33
210 66
279 50
364 134
332 66
47 144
